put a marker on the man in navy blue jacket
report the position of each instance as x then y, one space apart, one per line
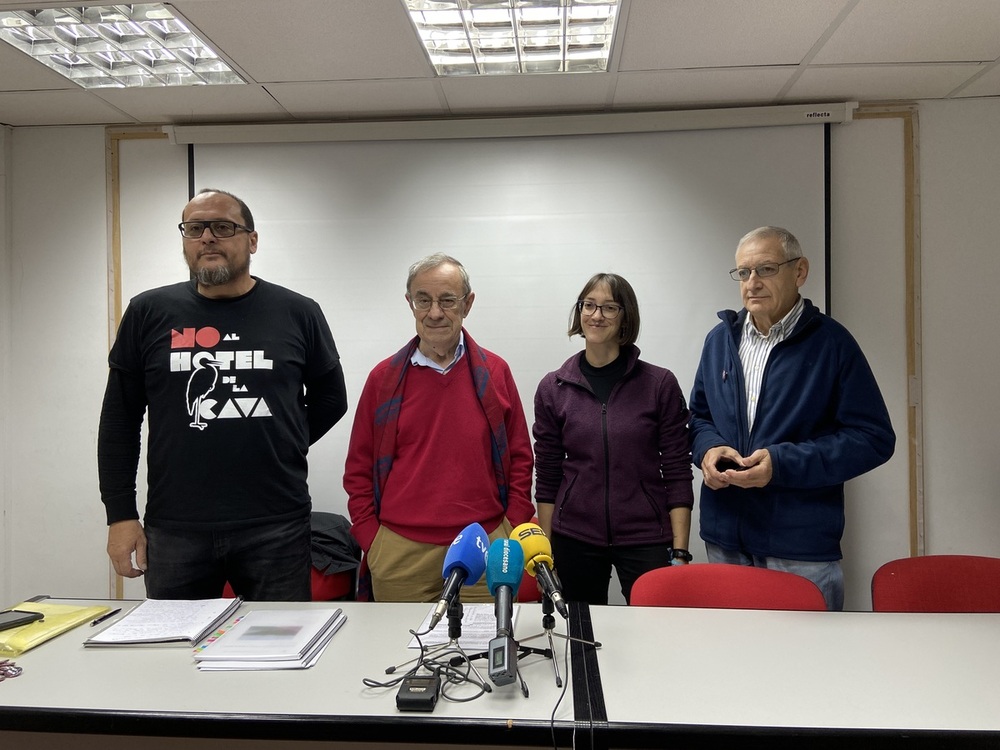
784 410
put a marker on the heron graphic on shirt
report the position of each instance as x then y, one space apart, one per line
200 384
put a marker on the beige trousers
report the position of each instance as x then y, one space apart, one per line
407 571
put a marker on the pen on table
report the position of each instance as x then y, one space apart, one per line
102 618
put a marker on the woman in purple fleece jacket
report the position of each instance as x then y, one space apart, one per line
612 452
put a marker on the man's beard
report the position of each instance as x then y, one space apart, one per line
218 275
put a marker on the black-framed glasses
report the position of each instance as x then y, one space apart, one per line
193 230
445 303
763 270
609 310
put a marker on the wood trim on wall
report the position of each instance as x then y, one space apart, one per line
113 137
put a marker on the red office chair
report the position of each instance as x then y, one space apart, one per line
722 586
323 587
938 583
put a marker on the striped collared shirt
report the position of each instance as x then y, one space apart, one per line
419 358
755 348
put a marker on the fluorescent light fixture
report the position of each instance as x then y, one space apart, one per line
116 46
506 37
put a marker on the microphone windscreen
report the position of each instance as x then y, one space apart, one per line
468 553
536 546
504 565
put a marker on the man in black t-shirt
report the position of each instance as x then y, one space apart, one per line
239 377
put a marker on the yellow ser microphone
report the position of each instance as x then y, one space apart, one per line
538 562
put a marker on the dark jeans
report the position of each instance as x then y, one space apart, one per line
270 562
585 569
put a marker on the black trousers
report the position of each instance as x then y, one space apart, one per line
585 569
271 562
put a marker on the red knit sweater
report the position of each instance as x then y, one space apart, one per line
442 475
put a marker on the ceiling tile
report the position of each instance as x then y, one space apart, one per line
678 88
988 84
359 99
723 33
319 40
879 82
531 93
71 107
896 31
187 104
21 73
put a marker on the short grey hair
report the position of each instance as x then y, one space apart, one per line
789 244
433 261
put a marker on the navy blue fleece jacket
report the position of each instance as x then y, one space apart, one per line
820 415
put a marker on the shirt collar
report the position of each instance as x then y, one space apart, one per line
422 360
782 328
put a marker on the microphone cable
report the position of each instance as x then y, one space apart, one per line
559 700
448 673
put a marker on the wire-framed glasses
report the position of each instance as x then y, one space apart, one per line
609 310
763 270
193 230
421 302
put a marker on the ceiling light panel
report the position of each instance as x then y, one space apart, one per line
506 37
117 46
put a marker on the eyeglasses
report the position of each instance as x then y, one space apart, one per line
445 303
609 310
193 230
763 271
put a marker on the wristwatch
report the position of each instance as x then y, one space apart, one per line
681 554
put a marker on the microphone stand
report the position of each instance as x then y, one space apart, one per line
548 631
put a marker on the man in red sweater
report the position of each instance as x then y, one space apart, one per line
439 441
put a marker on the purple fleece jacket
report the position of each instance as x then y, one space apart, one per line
614 470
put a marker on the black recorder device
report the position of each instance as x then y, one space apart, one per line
418 693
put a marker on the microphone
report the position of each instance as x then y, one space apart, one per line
504 569
538 562
464 563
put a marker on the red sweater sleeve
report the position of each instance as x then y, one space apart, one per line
359 482
519 506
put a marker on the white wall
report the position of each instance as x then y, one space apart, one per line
57 352
868 280
960 163
56 315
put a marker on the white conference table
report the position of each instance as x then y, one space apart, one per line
157 690
662 677
932 679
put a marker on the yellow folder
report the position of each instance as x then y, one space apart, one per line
58 619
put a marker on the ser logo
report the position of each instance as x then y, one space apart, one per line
529 532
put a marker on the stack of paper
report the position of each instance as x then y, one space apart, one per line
271 639
167 621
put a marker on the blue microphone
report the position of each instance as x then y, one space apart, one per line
464 564
504 570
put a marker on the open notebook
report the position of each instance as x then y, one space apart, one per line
180 622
